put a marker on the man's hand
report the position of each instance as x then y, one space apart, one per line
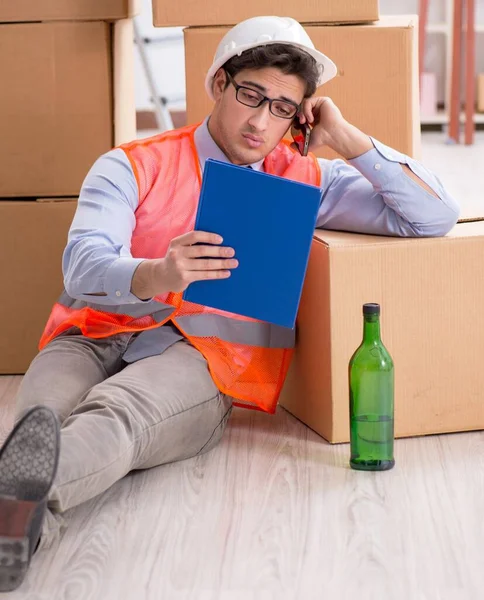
331 129
324 117
183 264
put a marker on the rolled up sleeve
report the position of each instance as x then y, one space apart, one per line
373 194
97 262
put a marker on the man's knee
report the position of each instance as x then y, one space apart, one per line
218 431
187 434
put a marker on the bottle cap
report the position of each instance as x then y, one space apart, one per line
371 309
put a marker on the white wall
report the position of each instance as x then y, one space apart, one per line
438 43
167 61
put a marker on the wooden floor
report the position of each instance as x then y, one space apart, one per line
275 513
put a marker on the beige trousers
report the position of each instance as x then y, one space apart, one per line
118 417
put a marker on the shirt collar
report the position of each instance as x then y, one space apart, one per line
207 148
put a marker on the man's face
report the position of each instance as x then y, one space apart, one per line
246 134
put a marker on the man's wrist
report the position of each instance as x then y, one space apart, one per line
142 284
118 278
349 142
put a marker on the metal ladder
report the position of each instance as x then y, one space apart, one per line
162 114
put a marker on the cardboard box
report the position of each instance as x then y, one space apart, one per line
430 291
56 109
123 82
480 93
31 274
220 12
23 11
377 86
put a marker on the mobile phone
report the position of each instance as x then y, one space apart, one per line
301 134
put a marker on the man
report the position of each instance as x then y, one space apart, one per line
137 377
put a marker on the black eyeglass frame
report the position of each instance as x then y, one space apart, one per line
263 98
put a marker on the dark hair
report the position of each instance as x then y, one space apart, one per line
289 59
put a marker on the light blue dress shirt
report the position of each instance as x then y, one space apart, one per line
372 194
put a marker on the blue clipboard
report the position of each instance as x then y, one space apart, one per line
270 222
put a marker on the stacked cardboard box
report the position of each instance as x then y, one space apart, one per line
66 69
480 92
193 13
429 289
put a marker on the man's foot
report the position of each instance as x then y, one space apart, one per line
28 464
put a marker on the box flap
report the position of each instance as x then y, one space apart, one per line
220 12
405 21
470 227
340 239
470 219
23 11
69 199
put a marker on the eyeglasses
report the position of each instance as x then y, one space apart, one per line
249 97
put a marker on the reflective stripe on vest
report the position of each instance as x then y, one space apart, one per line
248 333
157 310
247 359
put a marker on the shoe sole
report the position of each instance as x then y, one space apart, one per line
28 464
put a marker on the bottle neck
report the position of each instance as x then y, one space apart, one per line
371 329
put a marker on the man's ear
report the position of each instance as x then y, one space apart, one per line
219 83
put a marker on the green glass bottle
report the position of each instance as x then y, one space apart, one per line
371 383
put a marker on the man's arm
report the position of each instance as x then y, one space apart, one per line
352 143
98 265
382 191
97 262
374 194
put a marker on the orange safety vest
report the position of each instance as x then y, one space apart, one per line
248 359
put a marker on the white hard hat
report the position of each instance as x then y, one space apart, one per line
260 31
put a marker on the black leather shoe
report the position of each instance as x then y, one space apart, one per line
28 465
